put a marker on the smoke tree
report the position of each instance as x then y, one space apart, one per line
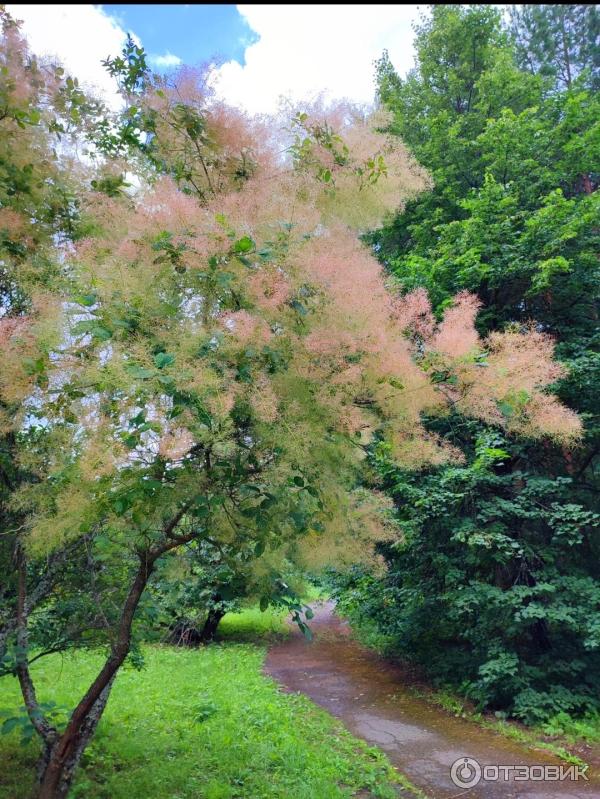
221 351
43 110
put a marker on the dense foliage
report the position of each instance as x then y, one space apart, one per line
202 361
494 588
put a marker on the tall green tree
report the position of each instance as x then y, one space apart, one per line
559 41
513 217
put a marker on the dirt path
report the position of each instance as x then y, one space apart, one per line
369 695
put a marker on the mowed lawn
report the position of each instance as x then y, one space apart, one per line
202 723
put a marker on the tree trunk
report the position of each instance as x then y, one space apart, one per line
565 48
184 633
49 755
62 753
60 760
210 625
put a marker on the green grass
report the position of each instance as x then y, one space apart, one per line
252 623
573 730
531 737
566 730
313 592
202 723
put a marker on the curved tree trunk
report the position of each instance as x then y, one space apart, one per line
71 763
62 755
186 633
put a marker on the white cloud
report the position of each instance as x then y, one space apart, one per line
165 61
306 49
303 50
80 36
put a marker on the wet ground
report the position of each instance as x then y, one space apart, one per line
370 696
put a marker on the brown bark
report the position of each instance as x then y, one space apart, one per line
565 48
39 592
587 184
62 753
66 752
186 633
45 730
88 729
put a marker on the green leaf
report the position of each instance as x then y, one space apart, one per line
245 244
265 254
203 415
140 372
163 359
264 603
34 366
9 725
87 300
298 307
299 520
83 326
101 333
306 631
120 505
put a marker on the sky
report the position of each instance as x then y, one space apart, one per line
260 53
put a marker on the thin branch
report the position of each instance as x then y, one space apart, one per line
44 729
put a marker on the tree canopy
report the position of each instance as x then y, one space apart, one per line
202 353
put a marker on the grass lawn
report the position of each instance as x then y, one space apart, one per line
202 723
252 624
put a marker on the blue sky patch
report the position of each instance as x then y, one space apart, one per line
186 33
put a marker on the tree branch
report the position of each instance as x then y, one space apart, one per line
44 729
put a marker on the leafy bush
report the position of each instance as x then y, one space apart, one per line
493 589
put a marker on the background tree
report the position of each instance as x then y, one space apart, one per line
512 217
193 591
559 41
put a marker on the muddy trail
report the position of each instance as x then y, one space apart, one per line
370 696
